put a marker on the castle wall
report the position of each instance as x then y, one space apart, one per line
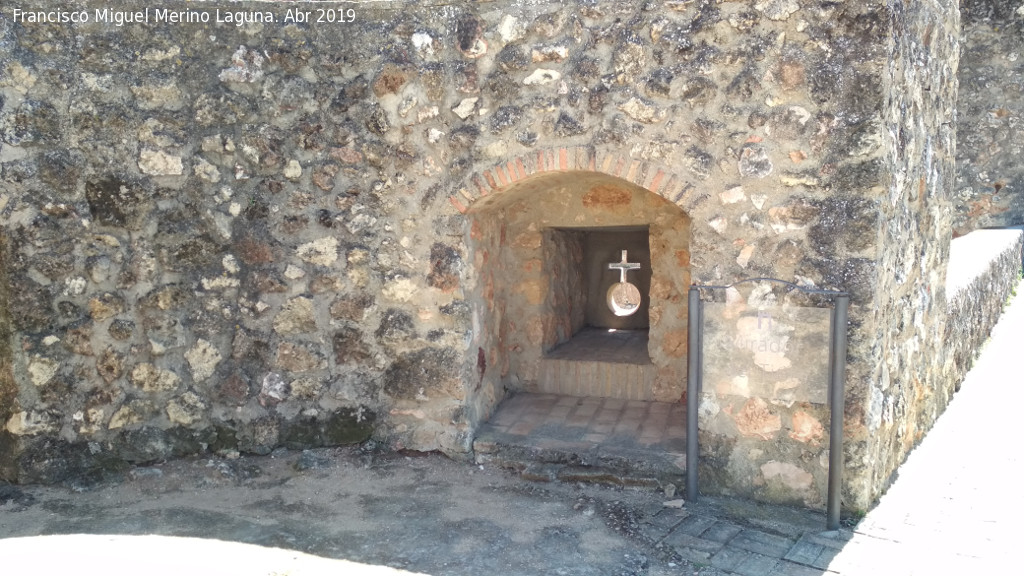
990 111
910 381
229 237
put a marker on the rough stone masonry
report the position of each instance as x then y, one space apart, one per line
264 231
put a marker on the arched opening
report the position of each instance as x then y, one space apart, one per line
541 250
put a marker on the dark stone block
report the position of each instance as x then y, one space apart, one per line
512 58
348 426
195 253
235 388
349 346
149 444
61 170
115 202
566 125
377 122
659 83
351 307
468 33
222 438
53 460
846 225
121 329
505 117
435 369
464 137
301 433
396 325
259 436
445 263
30 307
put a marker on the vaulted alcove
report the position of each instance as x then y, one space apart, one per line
543 248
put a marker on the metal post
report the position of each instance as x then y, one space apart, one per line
836 408
693 359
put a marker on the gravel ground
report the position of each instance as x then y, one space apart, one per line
367 512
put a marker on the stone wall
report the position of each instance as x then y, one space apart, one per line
990 112
8 386
984 269
229 237
905 361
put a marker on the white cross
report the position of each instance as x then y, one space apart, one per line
623 267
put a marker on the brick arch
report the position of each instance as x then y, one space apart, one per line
653 177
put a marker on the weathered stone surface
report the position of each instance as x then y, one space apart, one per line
297 358
125 416
395 325
757 419
234 389
121 329
351 308
988 191
114 202
110 365
274 390
445 265
42 370
349 346
306 388
806 428
105 305
296 317
791 475
152 379
754 162
323 251
186 409
202 360
31 423
429 370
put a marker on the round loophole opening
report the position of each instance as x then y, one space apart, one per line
623 299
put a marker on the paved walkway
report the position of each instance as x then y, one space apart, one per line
958 504
954 510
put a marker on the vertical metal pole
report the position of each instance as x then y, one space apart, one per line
693 359
836 407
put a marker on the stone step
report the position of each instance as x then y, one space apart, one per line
545 460
596 379
550 437
603 470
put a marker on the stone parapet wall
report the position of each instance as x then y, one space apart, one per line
984 269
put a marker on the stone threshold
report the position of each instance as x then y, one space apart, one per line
549 437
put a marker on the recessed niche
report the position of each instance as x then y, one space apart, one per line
543 249
580 288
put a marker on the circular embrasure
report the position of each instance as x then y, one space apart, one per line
623 299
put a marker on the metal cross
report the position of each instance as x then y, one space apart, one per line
623 267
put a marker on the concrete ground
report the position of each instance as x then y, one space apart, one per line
954 509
